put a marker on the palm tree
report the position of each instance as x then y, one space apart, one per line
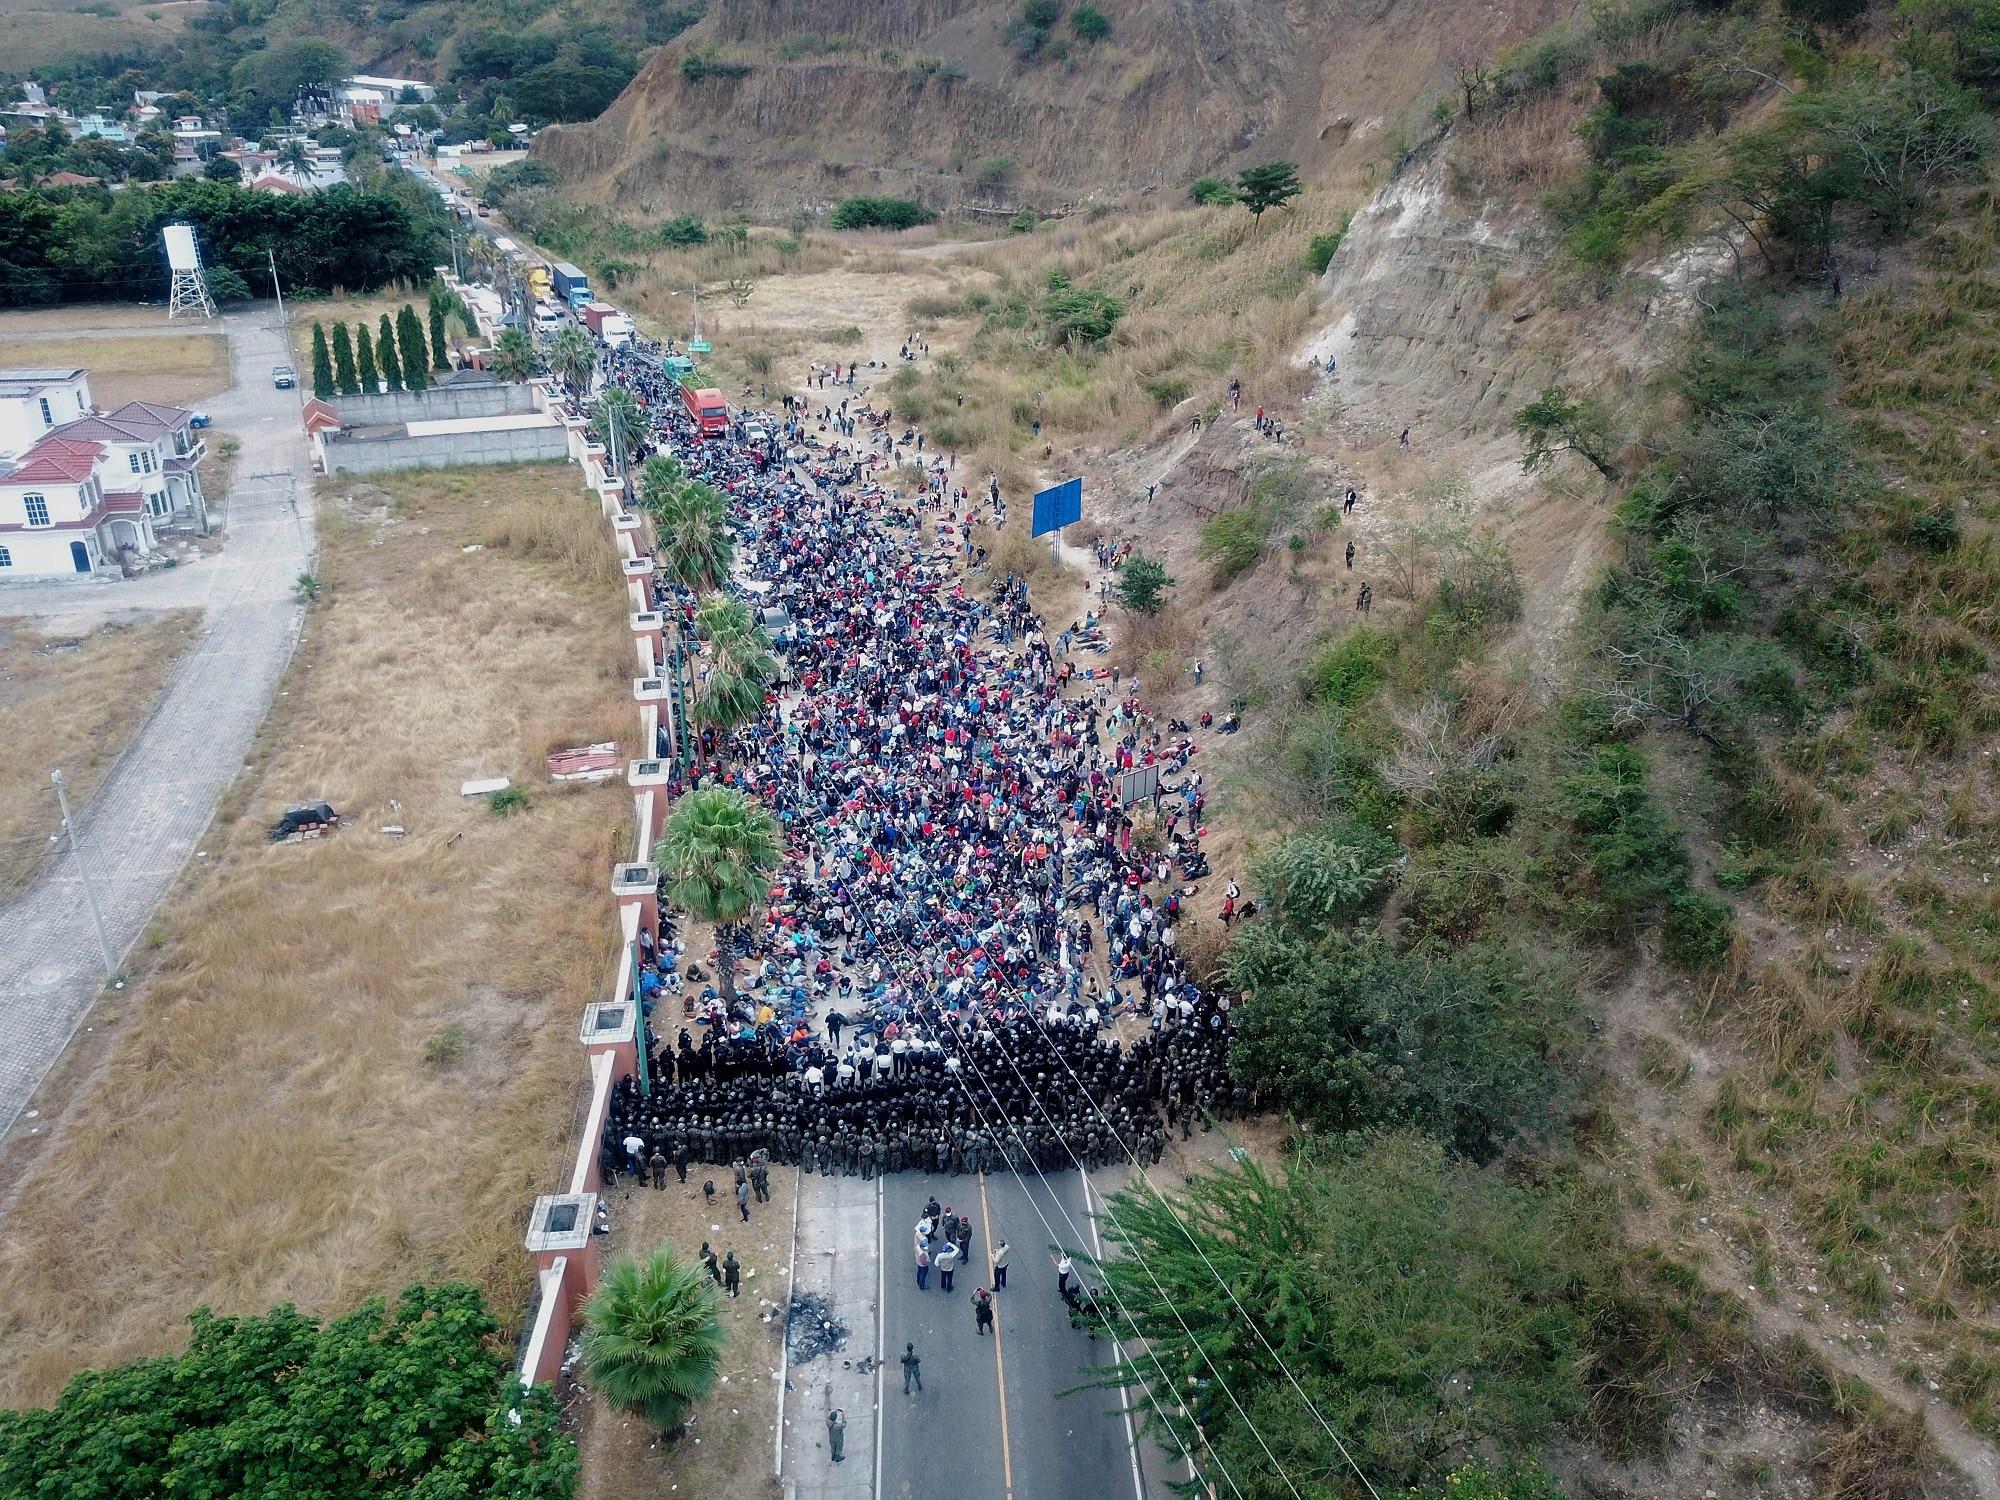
619 422
513 354
692 526
658 482
297 158
651 1340
740 664
719 849
573 359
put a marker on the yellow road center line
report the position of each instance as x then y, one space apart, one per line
999 1356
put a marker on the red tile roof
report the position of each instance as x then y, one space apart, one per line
55 460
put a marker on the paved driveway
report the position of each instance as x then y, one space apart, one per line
146 817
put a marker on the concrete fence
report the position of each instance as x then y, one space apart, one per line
561 1226
351 453
503 398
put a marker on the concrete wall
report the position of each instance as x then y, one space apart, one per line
506 398
346 454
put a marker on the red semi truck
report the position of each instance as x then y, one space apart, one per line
709 410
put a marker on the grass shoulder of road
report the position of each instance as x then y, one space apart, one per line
728 1449
351 1063
71 703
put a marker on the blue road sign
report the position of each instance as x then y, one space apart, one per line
1058 507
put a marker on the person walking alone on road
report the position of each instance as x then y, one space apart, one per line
1063 1269
982 1310
1350 554
1000 1267
947 1262
836 1434
913 1368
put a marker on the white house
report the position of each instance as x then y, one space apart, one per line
89 492
34 402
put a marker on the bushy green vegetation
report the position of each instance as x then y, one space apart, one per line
879 213
419 1400
82 245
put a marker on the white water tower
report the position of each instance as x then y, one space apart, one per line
189 292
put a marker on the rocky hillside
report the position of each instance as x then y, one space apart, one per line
770 105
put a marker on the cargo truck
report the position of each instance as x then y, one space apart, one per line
709 410
572 286
608 323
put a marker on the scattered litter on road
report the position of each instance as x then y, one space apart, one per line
812 1328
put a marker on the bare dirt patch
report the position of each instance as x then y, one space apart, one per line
71 703
728 1451
351 1063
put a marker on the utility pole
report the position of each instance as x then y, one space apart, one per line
89 895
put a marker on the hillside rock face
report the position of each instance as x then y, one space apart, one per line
844 97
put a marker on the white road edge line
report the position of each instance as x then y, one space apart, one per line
881 1331
1118 1350
785 1324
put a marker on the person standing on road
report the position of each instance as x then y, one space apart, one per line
947 1262
743 1200
836 1434
732 1275
982 1310
1000 1267
913 1369
923 1266
708 1259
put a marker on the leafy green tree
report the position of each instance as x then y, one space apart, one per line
719 849
418 1401
1553 423
1344 1031
416 357
1143 583
1425 1307
440 341
1272 185
691 523
620 422
364 355
222 169
322 363
513 354
738 668
344 375
652 1342
1327 875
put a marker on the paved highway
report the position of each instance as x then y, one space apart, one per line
959 1439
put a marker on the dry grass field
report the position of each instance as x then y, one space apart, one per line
173 368
71 703
350 1063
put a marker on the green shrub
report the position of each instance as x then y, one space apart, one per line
1349 671
683 230
1166 391
1089 23
507 799
1698 930
880 213
1319 255
1081 313
1233 542
1209 191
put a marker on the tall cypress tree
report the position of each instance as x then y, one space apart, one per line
385 355
440 344
416 357
371 382
344 377
322 365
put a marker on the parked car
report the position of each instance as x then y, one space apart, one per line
484 208
284 377
198 419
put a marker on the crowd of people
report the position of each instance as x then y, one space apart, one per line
968 908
